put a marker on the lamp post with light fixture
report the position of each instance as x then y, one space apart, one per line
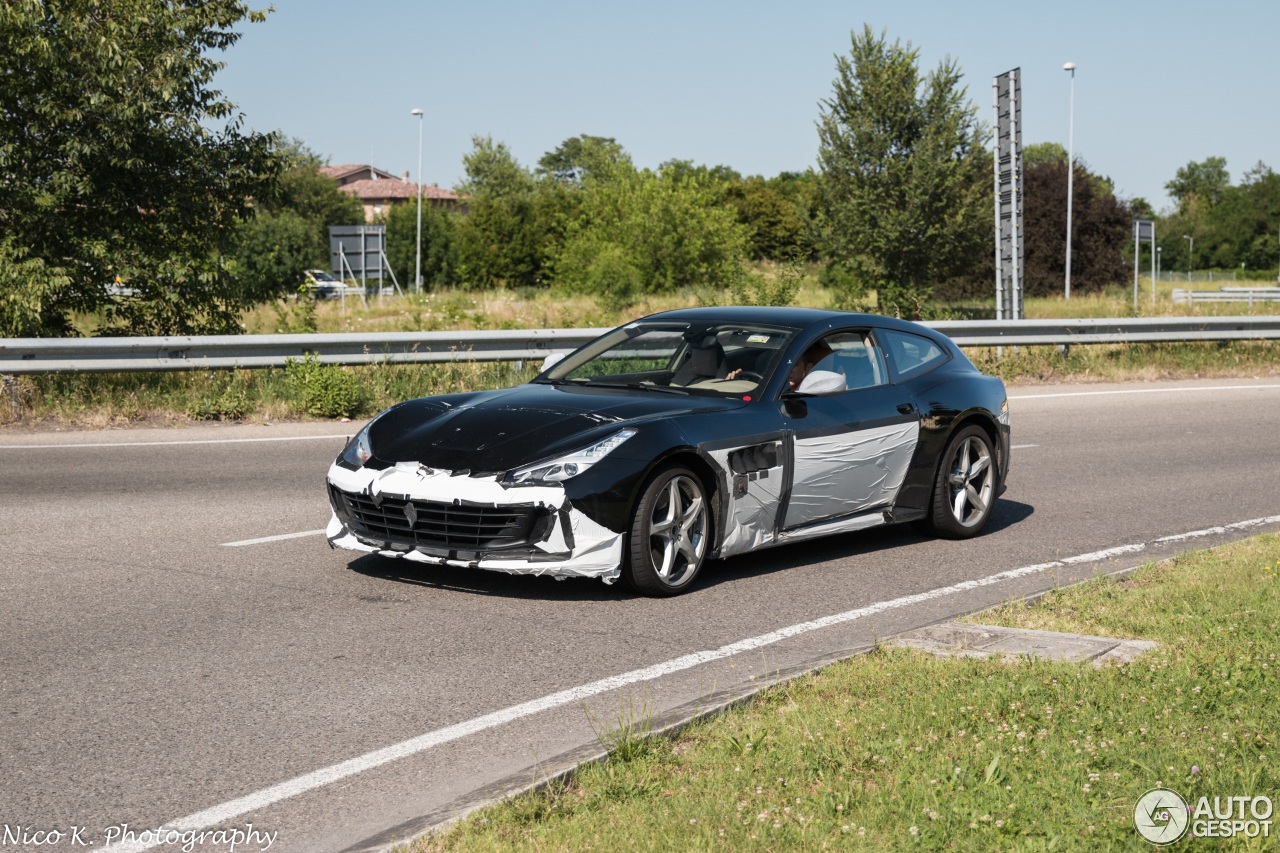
1071 167
417 264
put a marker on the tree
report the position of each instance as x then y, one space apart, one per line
1101 230
439 244
493 171
118 159
1043 152
654 231
904 176
289 231
581 156
1199 184
779 227
315 197
505 236
271 252
1240 228
1251 219
684 169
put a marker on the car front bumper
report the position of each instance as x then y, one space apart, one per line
430 516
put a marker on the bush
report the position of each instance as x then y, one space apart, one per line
672 232
295 316
225 398
612 275
848 290
757 289
324 390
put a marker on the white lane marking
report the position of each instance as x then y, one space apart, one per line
1139 391
1210 531
163 443
1022 446
1103 555
319 778
279 538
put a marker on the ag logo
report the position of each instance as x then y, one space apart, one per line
1161 816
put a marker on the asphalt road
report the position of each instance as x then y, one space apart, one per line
151 674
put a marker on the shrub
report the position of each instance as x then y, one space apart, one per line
324 390
780 289
224 398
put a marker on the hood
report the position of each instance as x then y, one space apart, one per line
500 430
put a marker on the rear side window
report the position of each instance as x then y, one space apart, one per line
911 354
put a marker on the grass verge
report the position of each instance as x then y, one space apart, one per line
308 391
897 749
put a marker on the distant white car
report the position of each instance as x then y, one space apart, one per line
322 285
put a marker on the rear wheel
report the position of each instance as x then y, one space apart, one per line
670 531
964 492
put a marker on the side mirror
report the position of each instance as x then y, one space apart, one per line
822 383
553 359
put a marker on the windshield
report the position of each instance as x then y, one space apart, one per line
729 360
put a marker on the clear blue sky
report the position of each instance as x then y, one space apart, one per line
1158 84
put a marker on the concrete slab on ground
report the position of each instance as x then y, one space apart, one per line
959 639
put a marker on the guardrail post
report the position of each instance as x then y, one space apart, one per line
9 388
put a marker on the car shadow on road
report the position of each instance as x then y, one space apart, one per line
482 582
877 540
840 547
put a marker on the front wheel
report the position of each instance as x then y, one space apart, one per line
669 534
964 492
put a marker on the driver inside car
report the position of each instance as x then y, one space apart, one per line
816 352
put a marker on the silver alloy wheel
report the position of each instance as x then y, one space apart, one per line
678 530
970 482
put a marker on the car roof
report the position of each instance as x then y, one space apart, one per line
796 318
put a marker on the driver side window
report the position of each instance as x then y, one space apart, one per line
854 356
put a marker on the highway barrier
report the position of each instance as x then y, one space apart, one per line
107 355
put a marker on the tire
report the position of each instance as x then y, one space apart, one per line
964 491
670 534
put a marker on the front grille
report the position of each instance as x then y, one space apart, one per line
441 525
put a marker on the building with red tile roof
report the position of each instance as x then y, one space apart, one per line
379 190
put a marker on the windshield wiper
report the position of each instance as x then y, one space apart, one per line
639 386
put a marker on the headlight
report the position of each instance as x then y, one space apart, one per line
358 449
1004 412
571 464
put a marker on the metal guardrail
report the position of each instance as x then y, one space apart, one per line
107 355
1228 294
988 333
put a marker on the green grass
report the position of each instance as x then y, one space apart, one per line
106 400
95 401
896 749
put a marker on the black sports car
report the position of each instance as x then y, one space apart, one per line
678 438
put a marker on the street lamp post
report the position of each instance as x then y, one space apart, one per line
1191 251
417 263
1071 166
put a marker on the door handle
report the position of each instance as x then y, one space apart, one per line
906 408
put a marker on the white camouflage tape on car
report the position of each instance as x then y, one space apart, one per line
751 516
596 550
849 472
